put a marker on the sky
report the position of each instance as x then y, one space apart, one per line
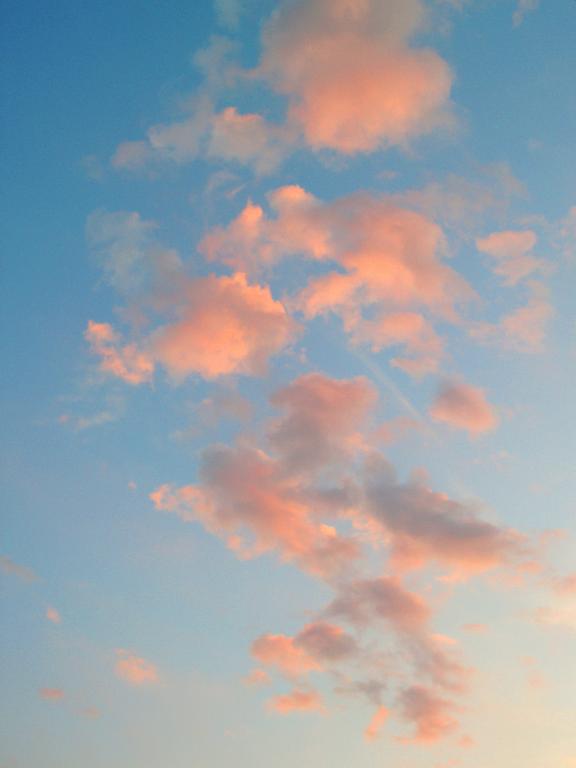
288 404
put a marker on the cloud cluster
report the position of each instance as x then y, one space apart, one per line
385 273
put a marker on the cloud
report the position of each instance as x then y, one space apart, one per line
463 406
424 527
376 724
430 714
125 362
223 325
523 8
245 497
524 329
511 252
297 701
385 267
22 572
53 615
352 81
362 602
282 652
51 694
134 670
322 417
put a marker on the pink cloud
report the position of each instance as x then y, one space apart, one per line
423 526
245 493
352 81
511 252
22 572
322 417
386 256
280 651
53 615
51 694
376 724
522 330
224 325
135 670
125 362
463 406
431 715
257 677
297 701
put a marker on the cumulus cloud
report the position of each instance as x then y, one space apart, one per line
281 652
322 417
424 526
431 715
245 497
353 82
223 325
463 406
133 669
386 270
511 252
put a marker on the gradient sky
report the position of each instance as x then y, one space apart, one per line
289 330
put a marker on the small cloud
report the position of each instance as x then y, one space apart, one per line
135 670
53 615
22 572
297 701
523 8
51 694
464 407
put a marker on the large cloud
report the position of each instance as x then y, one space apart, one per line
387 272
352 81
223 325
321 421
424 526
245 497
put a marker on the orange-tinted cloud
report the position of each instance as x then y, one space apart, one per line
376 724
363 602
386 257
134 670
352 81
125 362
465 407
511 252
281 652
424 526
53 615
246 498
297 701
431 714
225 325
51 694
322 417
